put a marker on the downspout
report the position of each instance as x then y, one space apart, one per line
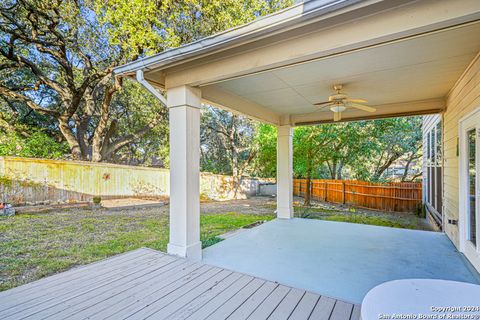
149 87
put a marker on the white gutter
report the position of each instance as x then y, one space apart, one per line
149 87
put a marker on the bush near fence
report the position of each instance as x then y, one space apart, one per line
389 196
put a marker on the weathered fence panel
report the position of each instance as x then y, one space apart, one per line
33 181
389 196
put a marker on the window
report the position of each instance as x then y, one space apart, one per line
433 168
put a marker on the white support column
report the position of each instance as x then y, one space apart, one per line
184 111
284 172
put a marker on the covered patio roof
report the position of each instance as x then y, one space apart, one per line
402 56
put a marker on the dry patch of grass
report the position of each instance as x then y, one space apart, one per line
36 245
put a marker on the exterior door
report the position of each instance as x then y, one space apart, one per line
470 187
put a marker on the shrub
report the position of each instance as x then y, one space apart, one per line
97 200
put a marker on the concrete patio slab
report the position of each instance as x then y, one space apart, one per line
340 260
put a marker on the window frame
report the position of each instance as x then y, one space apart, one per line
433 186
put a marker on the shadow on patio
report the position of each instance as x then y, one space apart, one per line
340 260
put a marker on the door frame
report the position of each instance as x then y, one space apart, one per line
468 122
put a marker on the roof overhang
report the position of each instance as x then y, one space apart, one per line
403 56
281 21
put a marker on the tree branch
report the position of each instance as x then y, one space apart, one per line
27 101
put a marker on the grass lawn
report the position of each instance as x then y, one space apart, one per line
365 219
36 245
332 212
394 220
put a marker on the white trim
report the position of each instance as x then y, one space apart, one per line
467 123
469 115
429 127
284 172
184 124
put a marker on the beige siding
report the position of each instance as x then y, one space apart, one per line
462 100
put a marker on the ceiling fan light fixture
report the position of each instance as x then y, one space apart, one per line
338 108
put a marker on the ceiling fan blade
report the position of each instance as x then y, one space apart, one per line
318 110
337 116
362 107
321 103
323 107
357 100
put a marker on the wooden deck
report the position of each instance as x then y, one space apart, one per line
149 284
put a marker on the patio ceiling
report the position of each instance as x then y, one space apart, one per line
411 76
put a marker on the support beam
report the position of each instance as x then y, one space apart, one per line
184 110
284 172
400 109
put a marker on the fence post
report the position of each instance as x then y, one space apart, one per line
343 192
326 186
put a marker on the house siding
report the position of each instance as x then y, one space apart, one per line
462 100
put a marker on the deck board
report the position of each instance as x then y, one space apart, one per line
305 307
323 309
289 303
145 283
270 303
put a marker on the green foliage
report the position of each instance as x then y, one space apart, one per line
265 141
360 150
36 145
210 242
149 26
57 58
226 142
132 110
395 139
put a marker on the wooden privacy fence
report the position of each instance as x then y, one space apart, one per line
389 196
35 181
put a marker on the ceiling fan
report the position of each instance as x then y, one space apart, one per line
339 102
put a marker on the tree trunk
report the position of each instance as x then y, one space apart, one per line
385 166
75 149
333 170
407 167
413 156
235 170
308 192
339 170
